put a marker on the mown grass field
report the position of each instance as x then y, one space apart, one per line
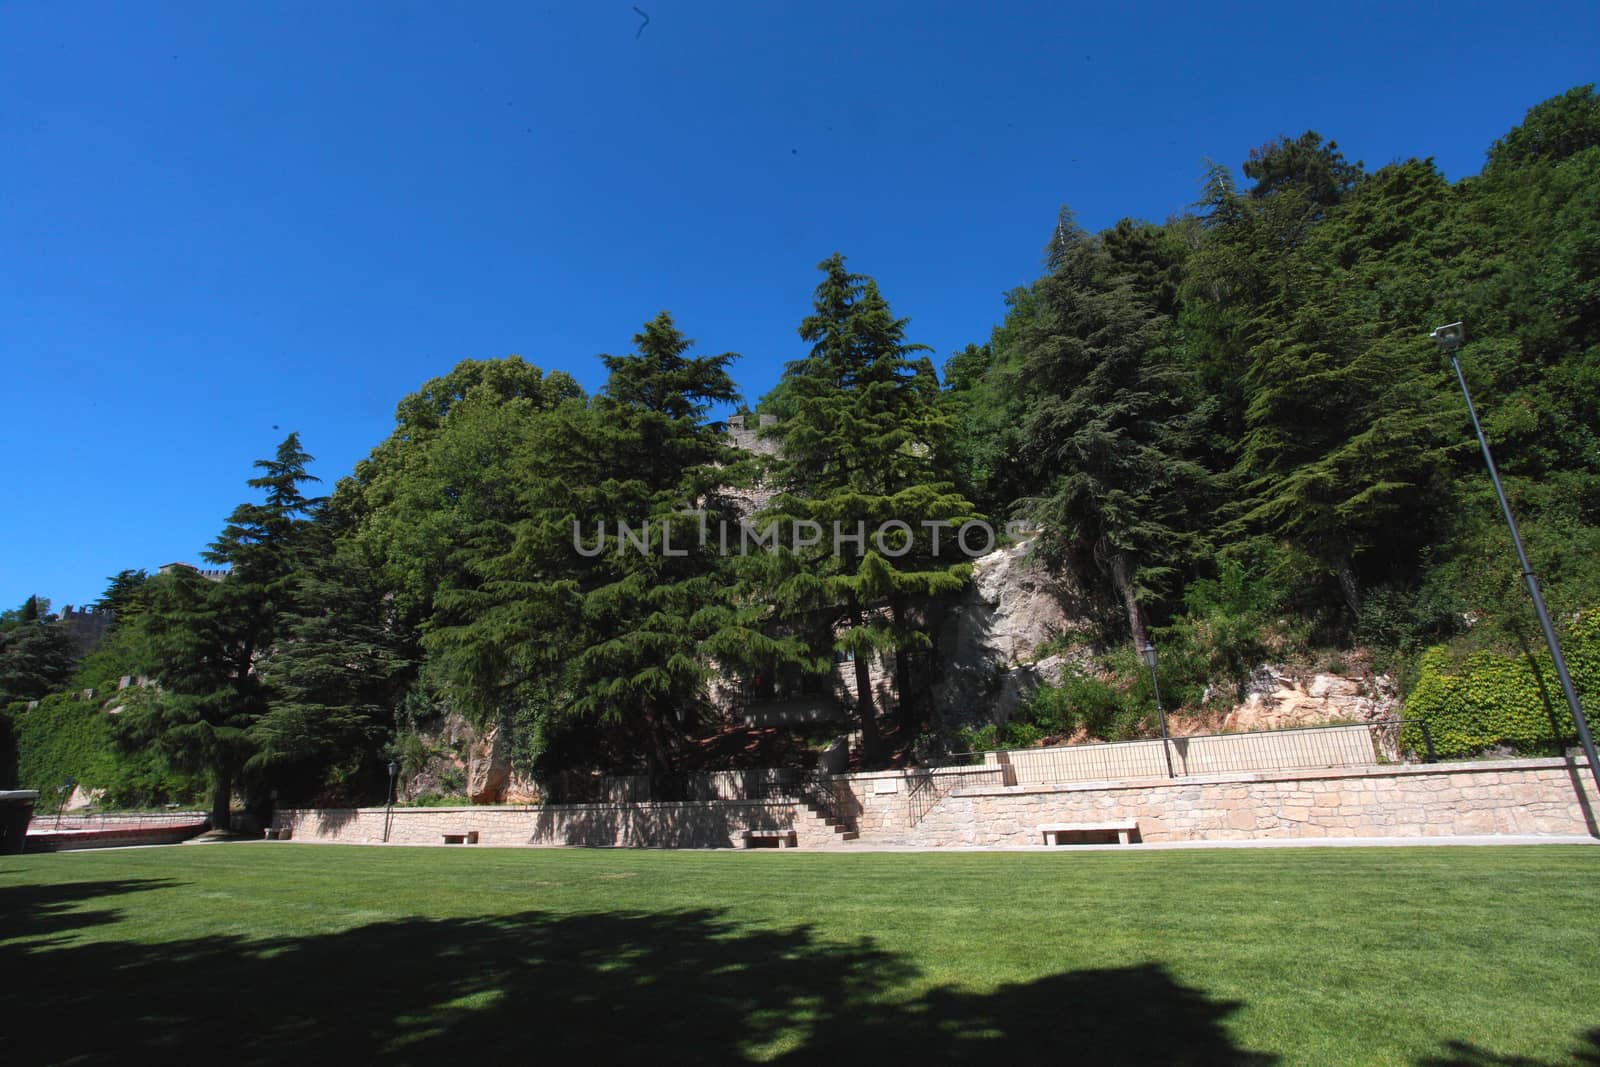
298 953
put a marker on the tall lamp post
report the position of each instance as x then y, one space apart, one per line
388 811
1449 340
1148 654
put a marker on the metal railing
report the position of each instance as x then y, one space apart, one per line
1308 748
932 782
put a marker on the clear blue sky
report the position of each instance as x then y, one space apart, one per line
220 222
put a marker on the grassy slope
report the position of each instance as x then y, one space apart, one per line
266 953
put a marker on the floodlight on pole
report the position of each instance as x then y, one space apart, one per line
1147 652
1449 338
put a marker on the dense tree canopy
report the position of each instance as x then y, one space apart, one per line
1229 426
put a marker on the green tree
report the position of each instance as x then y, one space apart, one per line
36 658
446 472
334 678
623 635
1117 418
208 639
126 596
36 652
865 444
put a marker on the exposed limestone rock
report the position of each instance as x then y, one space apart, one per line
1275 700
82 798
991 637
489 767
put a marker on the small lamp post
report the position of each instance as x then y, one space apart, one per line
1148 654
388 813
1449 339
65 791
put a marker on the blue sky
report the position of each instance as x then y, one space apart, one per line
221 222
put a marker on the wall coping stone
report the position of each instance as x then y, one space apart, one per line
1377 770
513 809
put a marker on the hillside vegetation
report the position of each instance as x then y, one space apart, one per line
1230 428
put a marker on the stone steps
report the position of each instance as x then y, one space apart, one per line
836 829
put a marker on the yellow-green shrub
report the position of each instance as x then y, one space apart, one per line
1492 699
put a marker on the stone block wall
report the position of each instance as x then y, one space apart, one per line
495 825
1549 796
711 824
717 824
875 803
1546 796
1335 746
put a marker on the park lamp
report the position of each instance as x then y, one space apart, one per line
1147 652
63 792
1448 337
394 769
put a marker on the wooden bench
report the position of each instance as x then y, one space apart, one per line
468 838
1124 829
784 838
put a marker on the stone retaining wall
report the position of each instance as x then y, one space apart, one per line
1547 796
711 824
1323 746
49 840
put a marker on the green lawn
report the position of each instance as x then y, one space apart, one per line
286 953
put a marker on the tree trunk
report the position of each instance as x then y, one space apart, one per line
871 746
1122 579
866 712
904 704
221 798
1348 585
656 748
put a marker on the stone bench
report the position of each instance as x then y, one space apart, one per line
1124 829
468 838
784 838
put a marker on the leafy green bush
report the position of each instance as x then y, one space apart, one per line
67 737
1489 698
64 738
1229 625
439 800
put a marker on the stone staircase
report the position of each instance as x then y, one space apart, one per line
817 829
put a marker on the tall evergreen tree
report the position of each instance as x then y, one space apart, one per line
865 444
1117 419
208 638
335 675
624 634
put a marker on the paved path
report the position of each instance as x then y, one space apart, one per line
1287 842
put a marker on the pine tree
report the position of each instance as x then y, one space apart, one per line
1118 420
336 674
208 638
623 636
864 445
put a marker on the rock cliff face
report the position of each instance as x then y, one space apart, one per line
990 639
1276 700
477 763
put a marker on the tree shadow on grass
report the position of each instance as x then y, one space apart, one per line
616 987
38 912
1465 1054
